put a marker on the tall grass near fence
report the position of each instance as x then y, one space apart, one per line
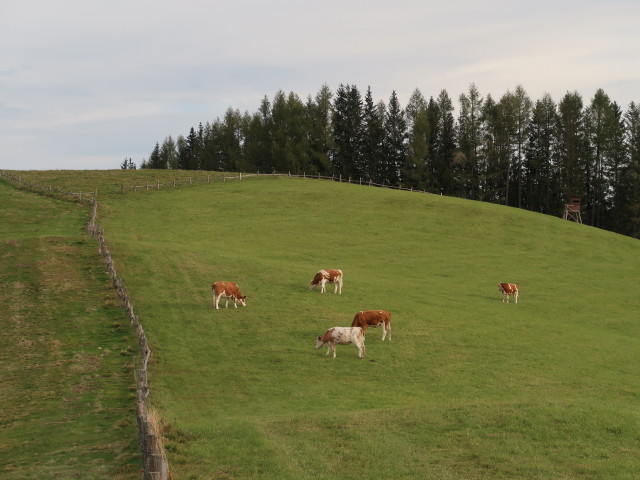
67 394
470 387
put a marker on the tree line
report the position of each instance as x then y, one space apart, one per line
513 151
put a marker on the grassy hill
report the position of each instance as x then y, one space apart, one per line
469 388
66 356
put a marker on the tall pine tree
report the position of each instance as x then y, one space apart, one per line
395 127
415 174
347 131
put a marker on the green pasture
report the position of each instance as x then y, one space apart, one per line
67 392
469 388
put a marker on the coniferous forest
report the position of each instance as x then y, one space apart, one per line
513 150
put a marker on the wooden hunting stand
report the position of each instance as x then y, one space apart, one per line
572 210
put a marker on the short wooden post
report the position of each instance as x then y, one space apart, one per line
174 182
158 184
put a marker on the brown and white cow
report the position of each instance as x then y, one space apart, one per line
342 336
373 318
227 290
328 275
508 289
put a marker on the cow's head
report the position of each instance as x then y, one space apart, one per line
319 343
242 300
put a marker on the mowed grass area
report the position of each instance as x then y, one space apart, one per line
469 388
67 391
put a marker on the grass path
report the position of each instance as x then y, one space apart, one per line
67 397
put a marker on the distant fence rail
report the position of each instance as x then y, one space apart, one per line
50 190
195 179
174 183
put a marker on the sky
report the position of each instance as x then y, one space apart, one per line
85 84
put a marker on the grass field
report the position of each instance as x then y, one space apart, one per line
469 388
66 358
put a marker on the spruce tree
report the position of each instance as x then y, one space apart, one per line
571 147
522 117
395 127
373 139
347 132
417 115
470 135
319 125
541 185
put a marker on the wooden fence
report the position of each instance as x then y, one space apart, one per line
174 183
27 185
191 180
153 457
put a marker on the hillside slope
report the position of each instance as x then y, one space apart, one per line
470 387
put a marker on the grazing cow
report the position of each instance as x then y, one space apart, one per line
342 336
508 289
373 318
328 275
227 290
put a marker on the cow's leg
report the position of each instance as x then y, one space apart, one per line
216 300
226 301
328 349
323 284
333 347
361 349
515 295
339 285
384 331
235 304
389 331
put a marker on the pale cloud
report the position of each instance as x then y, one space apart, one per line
84 84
